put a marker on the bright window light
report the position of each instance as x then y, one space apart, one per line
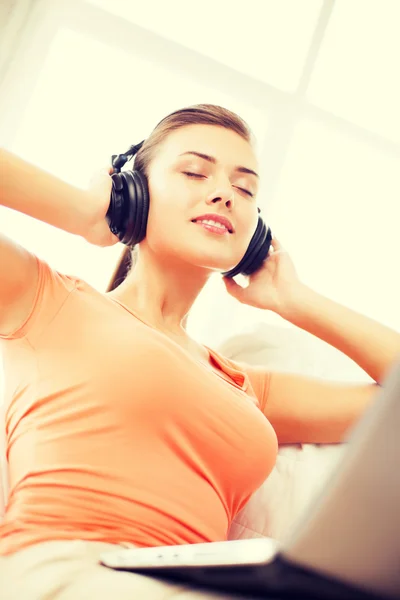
337 211
357 72
265 39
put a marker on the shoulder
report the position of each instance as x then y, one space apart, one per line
50 292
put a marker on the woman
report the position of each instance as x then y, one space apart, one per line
121 429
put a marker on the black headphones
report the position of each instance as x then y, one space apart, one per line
129 209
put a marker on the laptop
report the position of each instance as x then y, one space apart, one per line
346 545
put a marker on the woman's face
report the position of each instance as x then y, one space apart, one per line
218 187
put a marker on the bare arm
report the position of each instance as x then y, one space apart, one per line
30 190
313 411
308 410
38 194
370 344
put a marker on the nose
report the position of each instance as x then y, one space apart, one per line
223 193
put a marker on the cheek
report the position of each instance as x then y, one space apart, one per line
169 207
165 220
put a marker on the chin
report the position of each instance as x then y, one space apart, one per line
215 266
198 257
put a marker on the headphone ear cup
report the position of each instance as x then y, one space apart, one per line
143 202
260 254
129 207
253 248
256 252
114 215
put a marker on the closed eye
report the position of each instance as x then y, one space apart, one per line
197 175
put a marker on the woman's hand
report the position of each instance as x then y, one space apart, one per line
98 197
273 286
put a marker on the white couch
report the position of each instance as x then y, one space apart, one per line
301 469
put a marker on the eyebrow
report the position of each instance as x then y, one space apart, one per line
213 160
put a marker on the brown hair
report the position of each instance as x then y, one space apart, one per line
198 114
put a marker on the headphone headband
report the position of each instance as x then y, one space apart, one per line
118 160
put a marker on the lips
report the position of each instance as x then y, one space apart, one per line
217 218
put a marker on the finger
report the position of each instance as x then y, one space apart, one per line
233 288
107 169
276 245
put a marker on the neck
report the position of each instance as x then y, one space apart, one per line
162 294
